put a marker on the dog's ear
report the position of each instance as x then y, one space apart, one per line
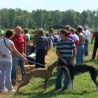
49 67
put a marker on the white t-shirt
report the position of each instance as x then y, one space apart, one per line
28 36
87 35
5 51
75 37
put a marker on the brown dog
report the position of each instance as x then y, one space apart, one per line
29 67
45 73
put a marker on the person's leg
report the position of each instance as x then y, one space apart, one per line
58 79
0 78
86 47
94 52
43 57
14 70
3 77
67 79
37 58
8 68
78 58
82 54
22 66
40 58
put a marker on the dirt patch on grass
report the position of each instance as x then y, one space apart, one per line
50 56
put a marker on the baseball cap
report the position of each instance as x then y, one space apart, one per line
40 30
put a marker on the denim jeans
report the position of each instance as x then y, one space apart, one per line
60 71
86 47
18 61
5 79
80 53
0 79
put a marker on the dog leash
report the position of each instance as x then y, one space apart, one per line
36 63
30 61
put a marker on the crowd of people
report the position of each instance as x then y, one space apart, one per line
70 44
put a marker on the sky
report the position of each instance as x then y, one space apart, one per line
50 5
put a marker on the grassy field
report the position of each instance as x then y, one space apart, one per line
84 87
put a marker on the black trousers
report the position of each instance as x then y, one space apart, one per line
40 58
94 51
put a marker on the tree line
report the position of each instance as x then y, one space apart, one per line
9 18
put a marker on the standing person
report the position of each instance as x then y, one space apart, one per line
80 49
67 27
19 40
35 38
75 37
51 30
27 41
26 32
95 38
42 47
6 46
66 52
87 40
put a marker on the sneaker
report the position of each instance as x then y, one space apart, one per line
4 91
11 91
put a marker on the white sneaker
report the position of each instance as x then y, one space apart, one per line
12 91
4 91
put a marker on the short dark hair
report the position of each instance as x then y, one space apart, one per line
65 32
67 27
72 30
79 28
9 33
25 31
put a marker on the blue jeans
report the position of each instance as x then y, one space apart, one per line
5 78
60 71
86 47
18 61
80 53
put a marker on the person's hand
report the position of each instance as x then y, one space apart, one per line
72 62
24 55
26 60
65 62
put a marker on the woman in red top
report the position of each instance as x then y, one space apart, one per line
19 40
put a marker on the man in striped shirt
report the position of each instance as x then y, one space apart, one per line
66 52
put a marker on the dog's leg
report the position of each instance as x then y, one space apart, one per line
45 85
94 75
25 81
72 84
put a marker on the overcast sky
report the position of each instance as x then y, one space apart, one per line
62 5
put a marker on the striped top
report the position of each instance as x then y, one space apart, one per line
66 48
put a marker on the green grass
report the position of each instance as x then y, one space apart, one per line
84 86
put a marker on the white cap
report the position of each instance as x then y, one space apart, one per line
40 30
